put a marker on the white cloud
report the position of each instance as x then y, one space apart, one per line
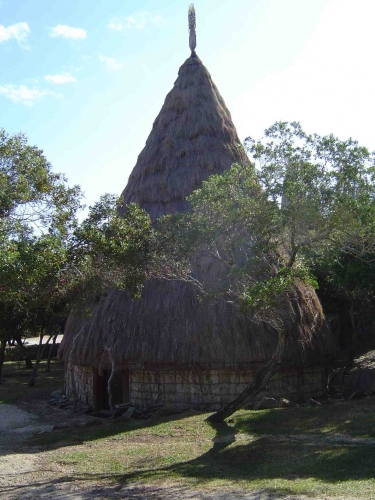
68 32
18 31
110 63
25 95
59 79
138 21
115 24
158 20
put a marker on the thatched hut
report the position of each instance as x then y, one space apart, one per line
169 346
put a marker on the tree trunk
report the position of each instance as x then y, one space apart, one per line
261 379
353 340
23 354
71 369
2 355
39 357
109 385
50 352
29 363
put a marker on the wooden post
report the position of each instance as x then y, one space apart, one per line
71 371
109 385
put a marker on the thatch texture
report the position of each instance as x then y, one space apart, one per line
170 325
192 138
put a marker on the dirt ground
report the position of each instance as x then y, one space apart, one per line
27 474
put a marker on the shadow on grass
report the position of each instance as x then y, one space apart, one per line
249 463
351 418
94 486
226 460
77 435
15 389
269 459
208 466
265 454
354 418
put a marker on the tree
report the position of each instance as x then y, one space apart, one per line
326 188
347 292
112 251
36 210
300 197
50 262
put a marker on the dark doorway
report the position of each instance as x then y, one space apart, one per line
120 388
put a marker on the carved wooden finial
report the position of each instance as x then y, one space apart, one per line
192 25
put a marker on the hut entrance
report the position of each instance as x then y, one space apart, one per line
120 389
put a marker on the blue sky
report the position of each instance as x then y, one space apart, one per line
85 79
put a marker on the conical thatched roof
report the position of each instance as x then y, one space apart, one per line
192 138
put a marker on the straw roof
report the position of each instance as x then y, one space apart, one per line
192 138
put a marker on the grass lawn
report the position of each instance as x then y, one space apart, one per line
15 390
311 450
320 451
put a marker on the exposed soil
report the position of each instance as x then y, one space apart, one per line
18 461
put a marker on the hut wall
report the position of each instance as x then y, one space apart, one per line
83 381
203 389
210 389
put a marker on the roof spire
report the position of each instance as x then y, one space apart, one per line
192 25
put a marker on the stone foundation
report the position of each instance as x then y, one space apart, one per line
202 389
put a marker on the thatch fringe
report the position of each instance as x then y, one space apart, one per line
169 325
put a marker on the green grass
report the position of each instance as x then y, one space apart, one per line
15 389
258 450
353 418
306 450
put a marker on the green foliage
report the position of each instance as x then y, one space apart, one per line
32 197
48 260
113 250
232 202
37 210
263 294
300 198
324 187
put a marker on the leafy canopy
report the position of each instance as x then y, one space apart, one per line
50 261
300 197
32 197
